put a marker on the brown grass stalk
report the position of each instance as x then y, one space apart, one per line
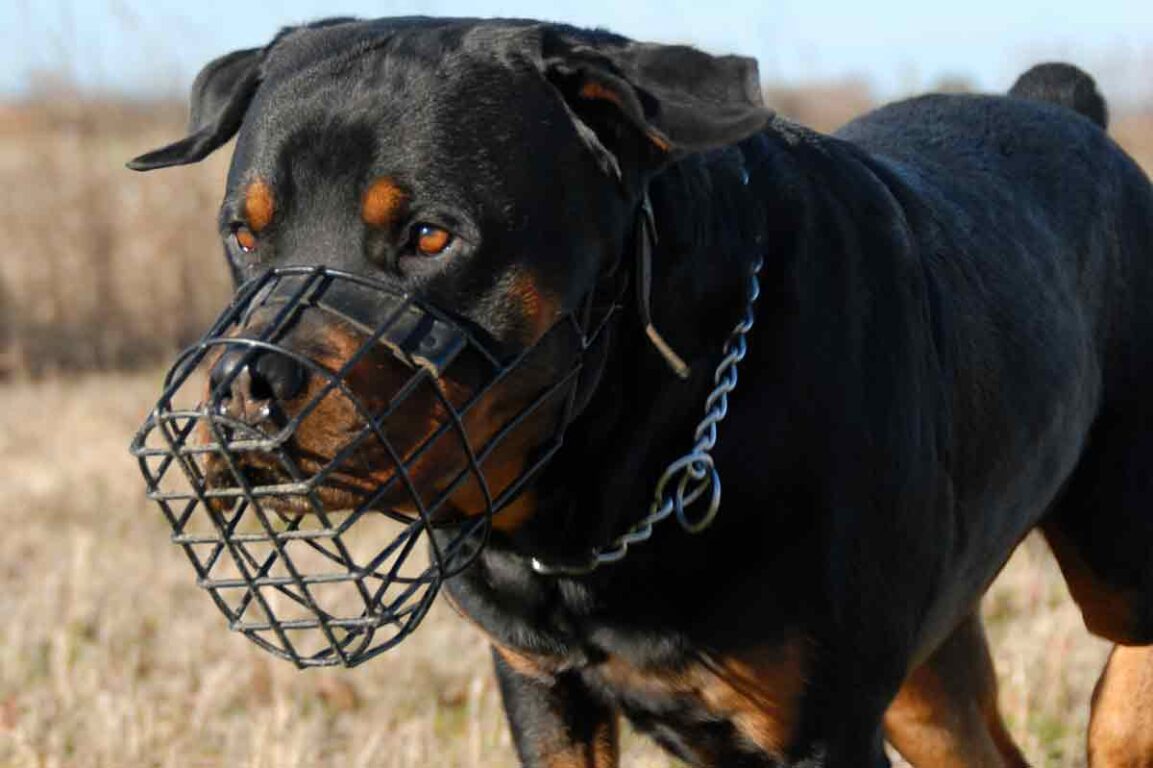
109 655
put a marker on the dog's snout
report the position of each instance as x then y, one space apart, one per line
278 377
247 378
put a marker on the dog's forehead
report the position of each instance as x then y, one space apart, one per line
341 41
397 68
418 97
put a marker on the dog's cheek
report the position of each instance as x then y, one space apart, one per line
421 431
510 457
334 414
537 307
418 430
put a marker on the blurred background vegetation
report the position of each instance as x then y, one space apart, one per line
109 655
106 270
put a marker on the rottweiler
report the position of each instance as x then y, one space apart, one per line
952 346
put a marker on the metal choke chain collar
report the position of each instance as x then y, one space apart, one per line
693 477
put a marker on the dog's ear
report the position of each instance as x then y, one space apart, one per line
220 97
679 99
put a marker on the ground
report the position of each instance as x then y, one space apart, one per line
110 655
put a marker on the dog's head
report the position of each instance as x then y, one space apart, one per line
491 170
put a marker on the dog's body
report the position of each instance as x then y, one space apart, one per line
955 287
951 348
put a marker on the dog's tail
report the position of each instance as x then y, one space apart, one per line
1066 85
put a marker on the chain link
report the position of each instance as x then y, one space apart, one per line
693 477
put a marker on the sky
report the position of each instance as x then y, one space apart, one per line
896 46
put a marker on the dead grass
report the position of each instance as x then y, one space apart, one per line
106 270
1134 132
823 106
102 270
110 657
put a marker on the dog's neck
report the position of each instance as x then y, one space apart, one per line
701 264
779 195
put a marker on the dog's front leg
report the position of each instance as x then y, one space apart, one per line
556 721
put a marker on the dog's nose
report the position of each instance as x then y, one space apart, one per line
256 379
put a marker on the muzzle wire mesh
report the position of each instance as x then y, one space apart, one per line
322 584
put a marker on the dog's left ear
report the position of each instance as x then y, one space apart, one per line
220 97
681 100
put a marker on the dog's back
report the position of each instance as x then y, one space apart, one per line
983 167
1034 228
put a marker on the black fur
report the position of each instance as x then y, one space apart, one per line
955 301
1066 85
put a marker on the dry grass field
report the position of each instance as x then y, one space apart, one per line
109 655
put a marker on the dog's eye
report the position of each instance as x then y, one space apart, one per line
432 240
245 239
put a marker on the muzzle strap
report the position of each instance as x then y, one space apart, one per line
413 334
646 238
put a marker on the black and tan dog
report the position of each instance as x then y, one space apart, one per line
954 346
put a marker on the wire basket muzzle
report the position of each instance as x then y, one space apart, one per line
307 514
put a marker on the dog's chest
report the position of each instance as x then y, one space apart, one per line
708 707
712 709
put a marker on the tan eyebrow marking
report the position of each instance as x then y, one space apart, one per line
594 90
382 203
259 205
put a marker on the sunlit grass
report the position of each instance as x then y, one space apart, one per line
110 656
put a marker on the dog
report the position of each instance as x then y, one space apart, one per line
951 347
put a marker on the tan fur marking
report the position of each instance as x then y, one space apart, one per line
759 690
500 470
376 379
383 203
1121 727
521 663
539 309
661 142
606 741
259 205
1108 611
946 712
582 758
595 91
600 752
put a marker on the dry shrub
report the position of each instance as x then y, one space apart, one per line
823 106
1135 133
110 657
102 270
109 270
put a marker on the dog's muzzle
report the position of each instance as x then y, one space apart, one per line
315 553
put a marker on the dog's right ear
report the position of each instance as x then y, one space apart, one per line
674 98
220 97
